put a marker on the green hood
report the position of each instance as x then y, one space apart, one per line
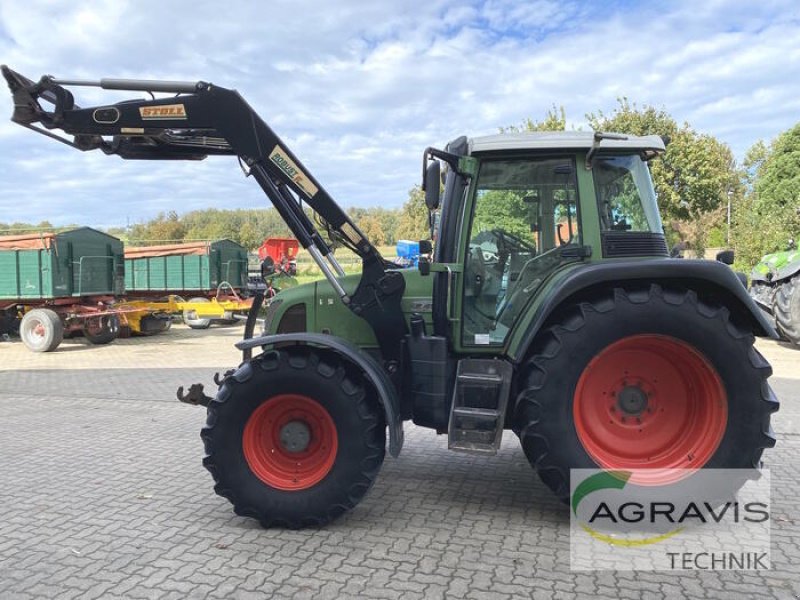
777 266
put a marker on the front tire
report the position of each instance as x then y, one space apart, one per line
294 438
643 379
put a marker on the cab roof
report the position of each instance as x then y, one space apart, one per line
564 140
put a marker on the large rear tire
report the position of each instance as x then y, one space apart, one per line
643 379
41 330
787 309
294 438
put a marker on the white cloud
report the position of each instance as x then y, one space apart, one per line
358 90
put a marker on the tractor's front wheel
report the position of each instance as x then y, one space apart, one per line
652 379
294 438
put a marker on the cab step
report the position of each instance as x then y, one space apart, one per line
478 410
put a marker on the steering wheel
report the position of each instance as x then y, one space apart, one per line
503 238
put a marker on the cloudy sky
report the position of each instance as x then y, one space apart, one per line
359 88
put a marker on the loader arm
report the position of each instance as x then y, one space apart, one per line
199 119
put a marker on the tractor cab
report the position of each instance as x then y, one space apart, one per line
519 208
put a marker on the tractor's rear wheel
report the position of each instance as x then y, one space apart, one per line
651 379
787 309
294 438
41 330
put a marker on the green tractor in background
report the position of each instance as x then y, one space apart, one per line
775 286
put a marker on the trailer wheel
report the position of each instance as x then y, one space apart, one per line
645 379
191 319
294 438
787 309
41 330
154 324
101 330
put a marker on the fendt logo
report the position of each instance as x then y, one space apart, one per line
164 112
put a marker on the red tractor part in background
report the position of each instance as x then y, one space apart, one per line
278 255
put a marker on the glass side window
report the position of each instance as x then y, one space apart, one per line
525 213
625 195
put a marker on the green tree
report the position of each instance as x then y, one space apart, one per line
769 214
554 120
693 180
166 227
370 224
503 209
413 221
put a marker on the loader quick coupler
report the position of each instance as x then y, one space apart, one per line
195 396
220 380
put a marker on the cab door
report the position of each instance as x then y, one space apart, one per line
521 217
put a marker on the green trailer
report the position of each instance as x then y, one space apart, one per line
197 270
195 267
56 283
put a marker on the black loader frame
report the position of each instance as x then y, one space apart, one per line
203 119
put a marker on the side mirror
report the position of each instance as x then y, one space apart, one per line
726 257
431 184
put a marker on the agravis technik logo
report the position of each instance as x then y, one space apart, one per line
704 519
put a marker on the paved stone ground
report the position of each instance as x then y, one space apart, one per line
102 495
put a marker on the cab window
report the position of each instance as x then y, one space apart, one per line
525 213
625 195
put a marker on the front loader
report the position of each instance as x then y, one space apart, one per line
549 306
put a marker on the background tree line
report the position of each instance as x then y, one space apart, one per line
696 180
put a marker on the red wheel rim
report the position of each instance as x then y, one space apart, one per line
650 402
290 442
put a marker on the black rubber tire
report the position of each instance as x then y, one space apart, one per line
107 332
154 324
359 422
53 330
543 417
196 323
787 309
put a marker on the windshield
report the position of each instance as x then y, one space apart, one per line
625 195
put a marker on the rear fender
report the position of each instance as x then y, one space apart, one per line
375 374
710 279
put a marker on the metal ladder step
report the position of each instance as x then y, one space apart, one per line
480 378
478 409
478 413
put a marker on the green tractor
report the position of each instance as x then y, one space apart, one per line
775 287
548 307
